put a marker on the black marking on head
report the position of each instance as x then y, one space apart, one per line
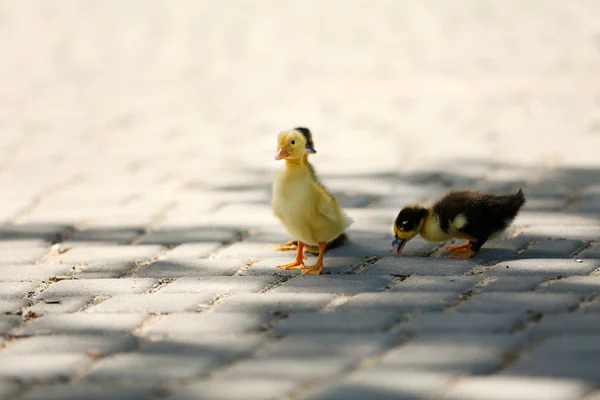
408 218
310 145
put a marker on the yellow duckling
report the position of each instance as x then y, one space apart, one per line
307 210
463 214
293 244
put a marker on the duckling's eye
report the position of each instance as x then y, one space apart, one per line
293 142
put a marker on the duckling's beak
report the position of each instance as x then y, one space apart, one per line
281 154
398 244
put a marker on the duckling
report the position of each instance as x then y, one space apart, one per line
308 211
464 214
293 244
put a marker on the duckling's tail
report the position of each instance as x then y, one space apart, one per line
519 199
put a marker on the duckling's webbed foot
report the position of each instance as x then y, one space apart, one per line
291 245
298 262
459 246
464 253
318 267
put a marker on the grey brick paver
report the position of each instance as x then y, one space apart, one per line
71 344
339 321
152 303
419 266
9 306
582 285
82 323
60 305
42 272
205 323
345 284
176 268
40 367
272 302
262 388
511 284
88 391
548 267
463 322
516 388
528 302
8 322
220 284
17 290
567 323
98 287
399 301
436 284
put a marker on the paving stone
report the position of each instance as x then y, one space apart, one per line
28 232
565 232
347 344
369 246
19 255
300 369
339 321
568 344
343 284
88 391
383 383
149 369
153 303
257 388
220 284
175 236
406 302
511 284
8 322
9 306
552 249
545 267
176 268
526 302
217 346
592 253
458 284
206 323
82 323
63 344
8 389
464 354
419 266
39 272
582 367
574 284
192 250
462 322
102 233
591 307
515 388
40 367
332 265
83 252
60 305
104 270
273 302
564 323
17 290
98 287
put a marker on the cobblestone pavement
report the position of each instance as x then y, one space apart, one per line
136 157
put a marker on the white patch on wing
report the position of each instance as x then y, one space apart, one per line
459 221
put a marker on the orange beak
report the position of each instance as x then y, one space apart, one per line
281 154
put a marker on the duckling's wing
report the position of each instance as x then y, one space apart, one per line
329 208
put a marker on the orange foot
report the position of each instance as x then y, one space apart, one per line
298 262
465 253
291 245
318 267
459 246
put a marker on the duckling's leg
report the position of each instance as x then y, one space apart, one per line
297 263
318 267
460 246
470 251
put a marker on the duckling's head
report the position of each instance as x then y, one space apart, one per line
407 225
293 144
